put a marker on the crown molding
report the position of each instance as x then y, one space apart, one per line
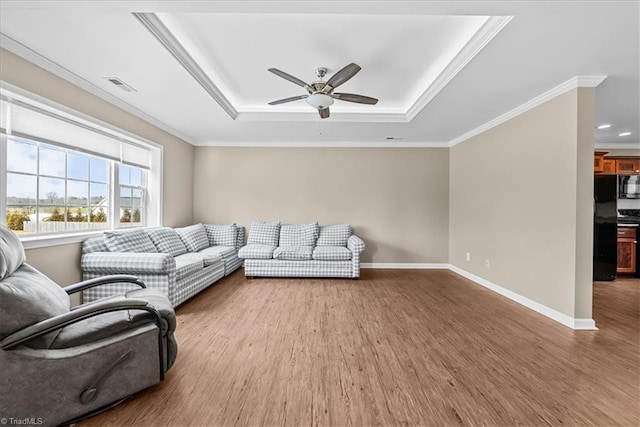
573 83
322 144
479 40
618 145
161 33
53 67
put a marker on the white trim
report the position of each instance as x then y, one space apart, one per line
405 265
584 325
62 72
479 40
162 34
573 323
319 144
617 145
575 82
45 241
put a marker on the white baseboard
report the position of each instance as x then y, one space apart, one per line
405 265
573 323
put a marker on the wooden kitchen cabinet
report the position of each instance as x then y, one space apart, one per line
609 166
627 242
615 165
627 166
598 159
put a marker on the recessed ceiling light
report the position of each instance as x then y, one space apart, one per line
624 134
605 126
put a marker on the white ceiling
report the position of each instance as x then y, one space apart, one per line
440 69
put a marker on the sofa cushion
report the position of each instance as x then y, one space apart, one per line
187 265
94 244
299 234
134 240
194 237
255 251
331 253
224 251
208 258
264 233
334 235
221 235
167 241
12 254
293 253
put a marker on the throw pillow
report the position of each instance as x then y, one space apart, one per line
167 241
334 235
222 235
135 240
299 234
194 237
264 233
293 253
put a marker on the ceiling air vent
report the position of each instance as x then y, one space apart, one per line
119 83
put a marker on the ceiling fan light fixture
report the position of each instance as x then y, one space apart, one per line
319 100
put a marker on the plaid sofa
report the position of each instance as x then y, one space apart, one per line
301 250
179 262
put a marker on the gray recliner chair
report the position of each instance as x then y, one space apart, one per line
59 364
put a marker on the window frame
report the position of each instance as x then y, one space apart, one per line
152 194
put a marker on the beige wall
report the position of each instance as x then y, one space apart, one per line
514 200
178 155
586 105
396 199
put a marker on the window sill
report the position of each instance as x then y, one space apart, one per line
45 241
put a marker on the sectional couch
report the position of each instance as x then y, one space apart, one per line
179 262
301 250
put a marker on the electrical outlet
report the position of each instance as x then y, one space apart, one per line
468 256
487 263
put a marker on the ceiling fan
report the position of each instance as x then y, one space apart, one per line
321 94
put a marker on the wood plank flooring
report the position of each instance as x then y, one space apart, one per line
397 347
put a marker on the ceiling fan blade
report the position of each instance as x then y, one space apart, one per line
293 98
324 113
360 99
343 75
292 79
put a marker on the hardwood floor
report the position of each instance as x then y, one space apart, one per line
397 347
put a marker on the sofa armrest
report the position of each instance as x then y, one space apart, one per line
127 263
240 237
355 244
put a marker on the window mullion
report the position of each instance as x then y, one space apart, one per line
114 199
3 173
38 189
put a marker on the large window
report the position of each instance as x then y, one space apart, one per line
63 174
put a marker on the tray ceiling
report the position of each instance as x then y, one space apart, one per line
440 69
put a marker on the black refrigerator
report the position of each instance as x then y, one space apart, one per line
605 227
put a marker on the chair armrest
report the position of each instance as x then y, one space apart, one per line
83 312
127 263
355 244
114 278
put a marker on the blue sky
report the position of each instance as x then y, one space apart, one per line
23 157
